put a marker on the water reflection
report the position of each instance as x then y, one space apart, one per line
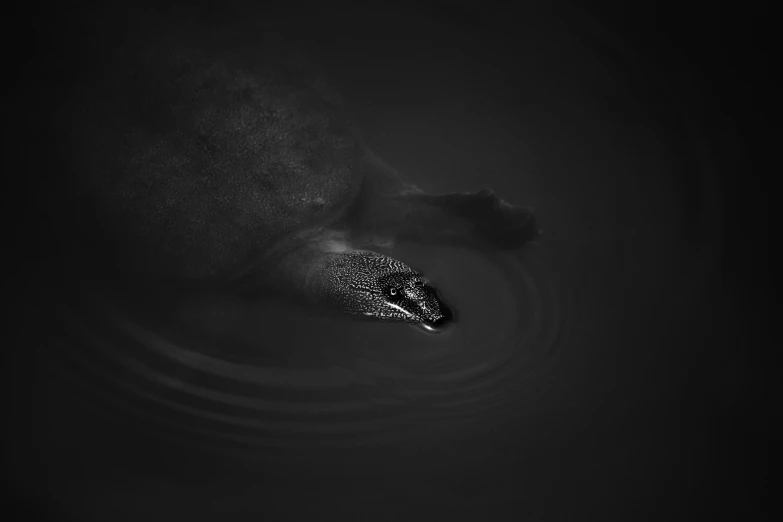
253 379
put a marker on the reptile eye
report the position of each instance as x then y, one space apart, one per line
394 293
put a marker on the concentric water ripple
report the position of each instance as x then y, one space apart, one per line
223 375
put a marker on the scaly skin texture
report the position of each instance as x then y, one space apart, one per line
325 269
367 283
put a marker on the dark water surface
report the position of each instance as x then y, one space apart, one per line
593 375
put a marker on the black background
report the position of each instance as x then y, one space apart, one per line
709 54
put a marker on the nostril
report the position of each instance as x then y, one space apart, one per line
439 325
440 320
444 318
